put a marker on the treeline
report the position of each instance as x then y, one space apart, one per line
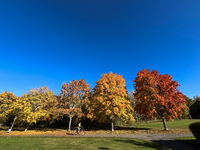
107 103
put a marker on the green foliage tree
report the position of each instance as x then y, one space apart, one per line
185 113
190 101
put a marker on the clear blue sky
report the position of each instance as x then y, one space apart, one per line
48 42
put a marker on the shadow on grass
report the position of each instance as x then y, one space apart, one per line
103 148
116 128
130 128
194 143
29 128
146 144
13 129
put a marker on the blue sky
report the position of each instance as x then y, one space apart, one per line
46 43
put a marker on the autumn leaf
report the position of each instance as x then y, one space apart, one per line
157 95
73 99
109 99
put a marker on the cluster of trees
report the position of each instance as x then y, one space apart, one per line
154 96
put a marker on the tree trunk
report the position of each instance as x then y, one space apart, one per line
164 123
26 127
112 125
13 122
70 121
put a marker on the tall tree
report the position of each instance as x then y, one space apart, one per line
132 100
72 98
37 105
157 95
190 102
185 113
6 102
110 99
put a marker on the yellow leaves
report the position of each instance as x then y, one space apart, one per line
6 103
36 104
110 97
115 110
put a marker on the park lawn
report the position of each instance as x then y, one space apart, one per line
191 140
174 127
76 143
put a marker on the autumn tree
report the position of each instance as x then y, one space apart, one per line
72 98
36 105
158 96
6 102
132 100
110 99
186 113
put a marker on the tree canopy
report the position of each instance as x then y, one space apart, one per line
72 98
38 104
157 95
110 99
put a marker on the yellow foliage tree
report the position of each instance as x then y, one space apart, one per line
37 104
110 99
6 104
72 98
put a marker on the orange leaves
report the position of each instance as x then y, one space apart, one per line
110 98
157 92
73 96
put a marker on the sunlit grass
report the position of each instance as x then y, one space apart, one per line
76 143
175 127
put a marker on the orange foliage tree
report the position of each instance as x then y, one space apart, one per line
72 98
157 95
110 99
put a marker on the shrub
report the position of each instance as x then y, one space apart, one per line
195 129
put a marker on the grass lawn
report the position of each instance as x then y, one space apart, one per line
189 140
83 143
175 127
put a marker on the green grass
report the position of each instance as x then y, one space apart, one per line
181 124
191 140
76 143
176 126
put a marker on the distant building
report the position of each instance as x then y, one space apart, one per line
195 110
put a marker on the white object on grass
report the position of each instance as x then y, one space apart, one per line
9 130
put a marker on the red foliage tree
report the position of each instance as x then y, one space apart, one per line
157 95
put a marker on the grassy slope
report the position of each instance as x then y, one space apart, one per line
77 143
177 126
